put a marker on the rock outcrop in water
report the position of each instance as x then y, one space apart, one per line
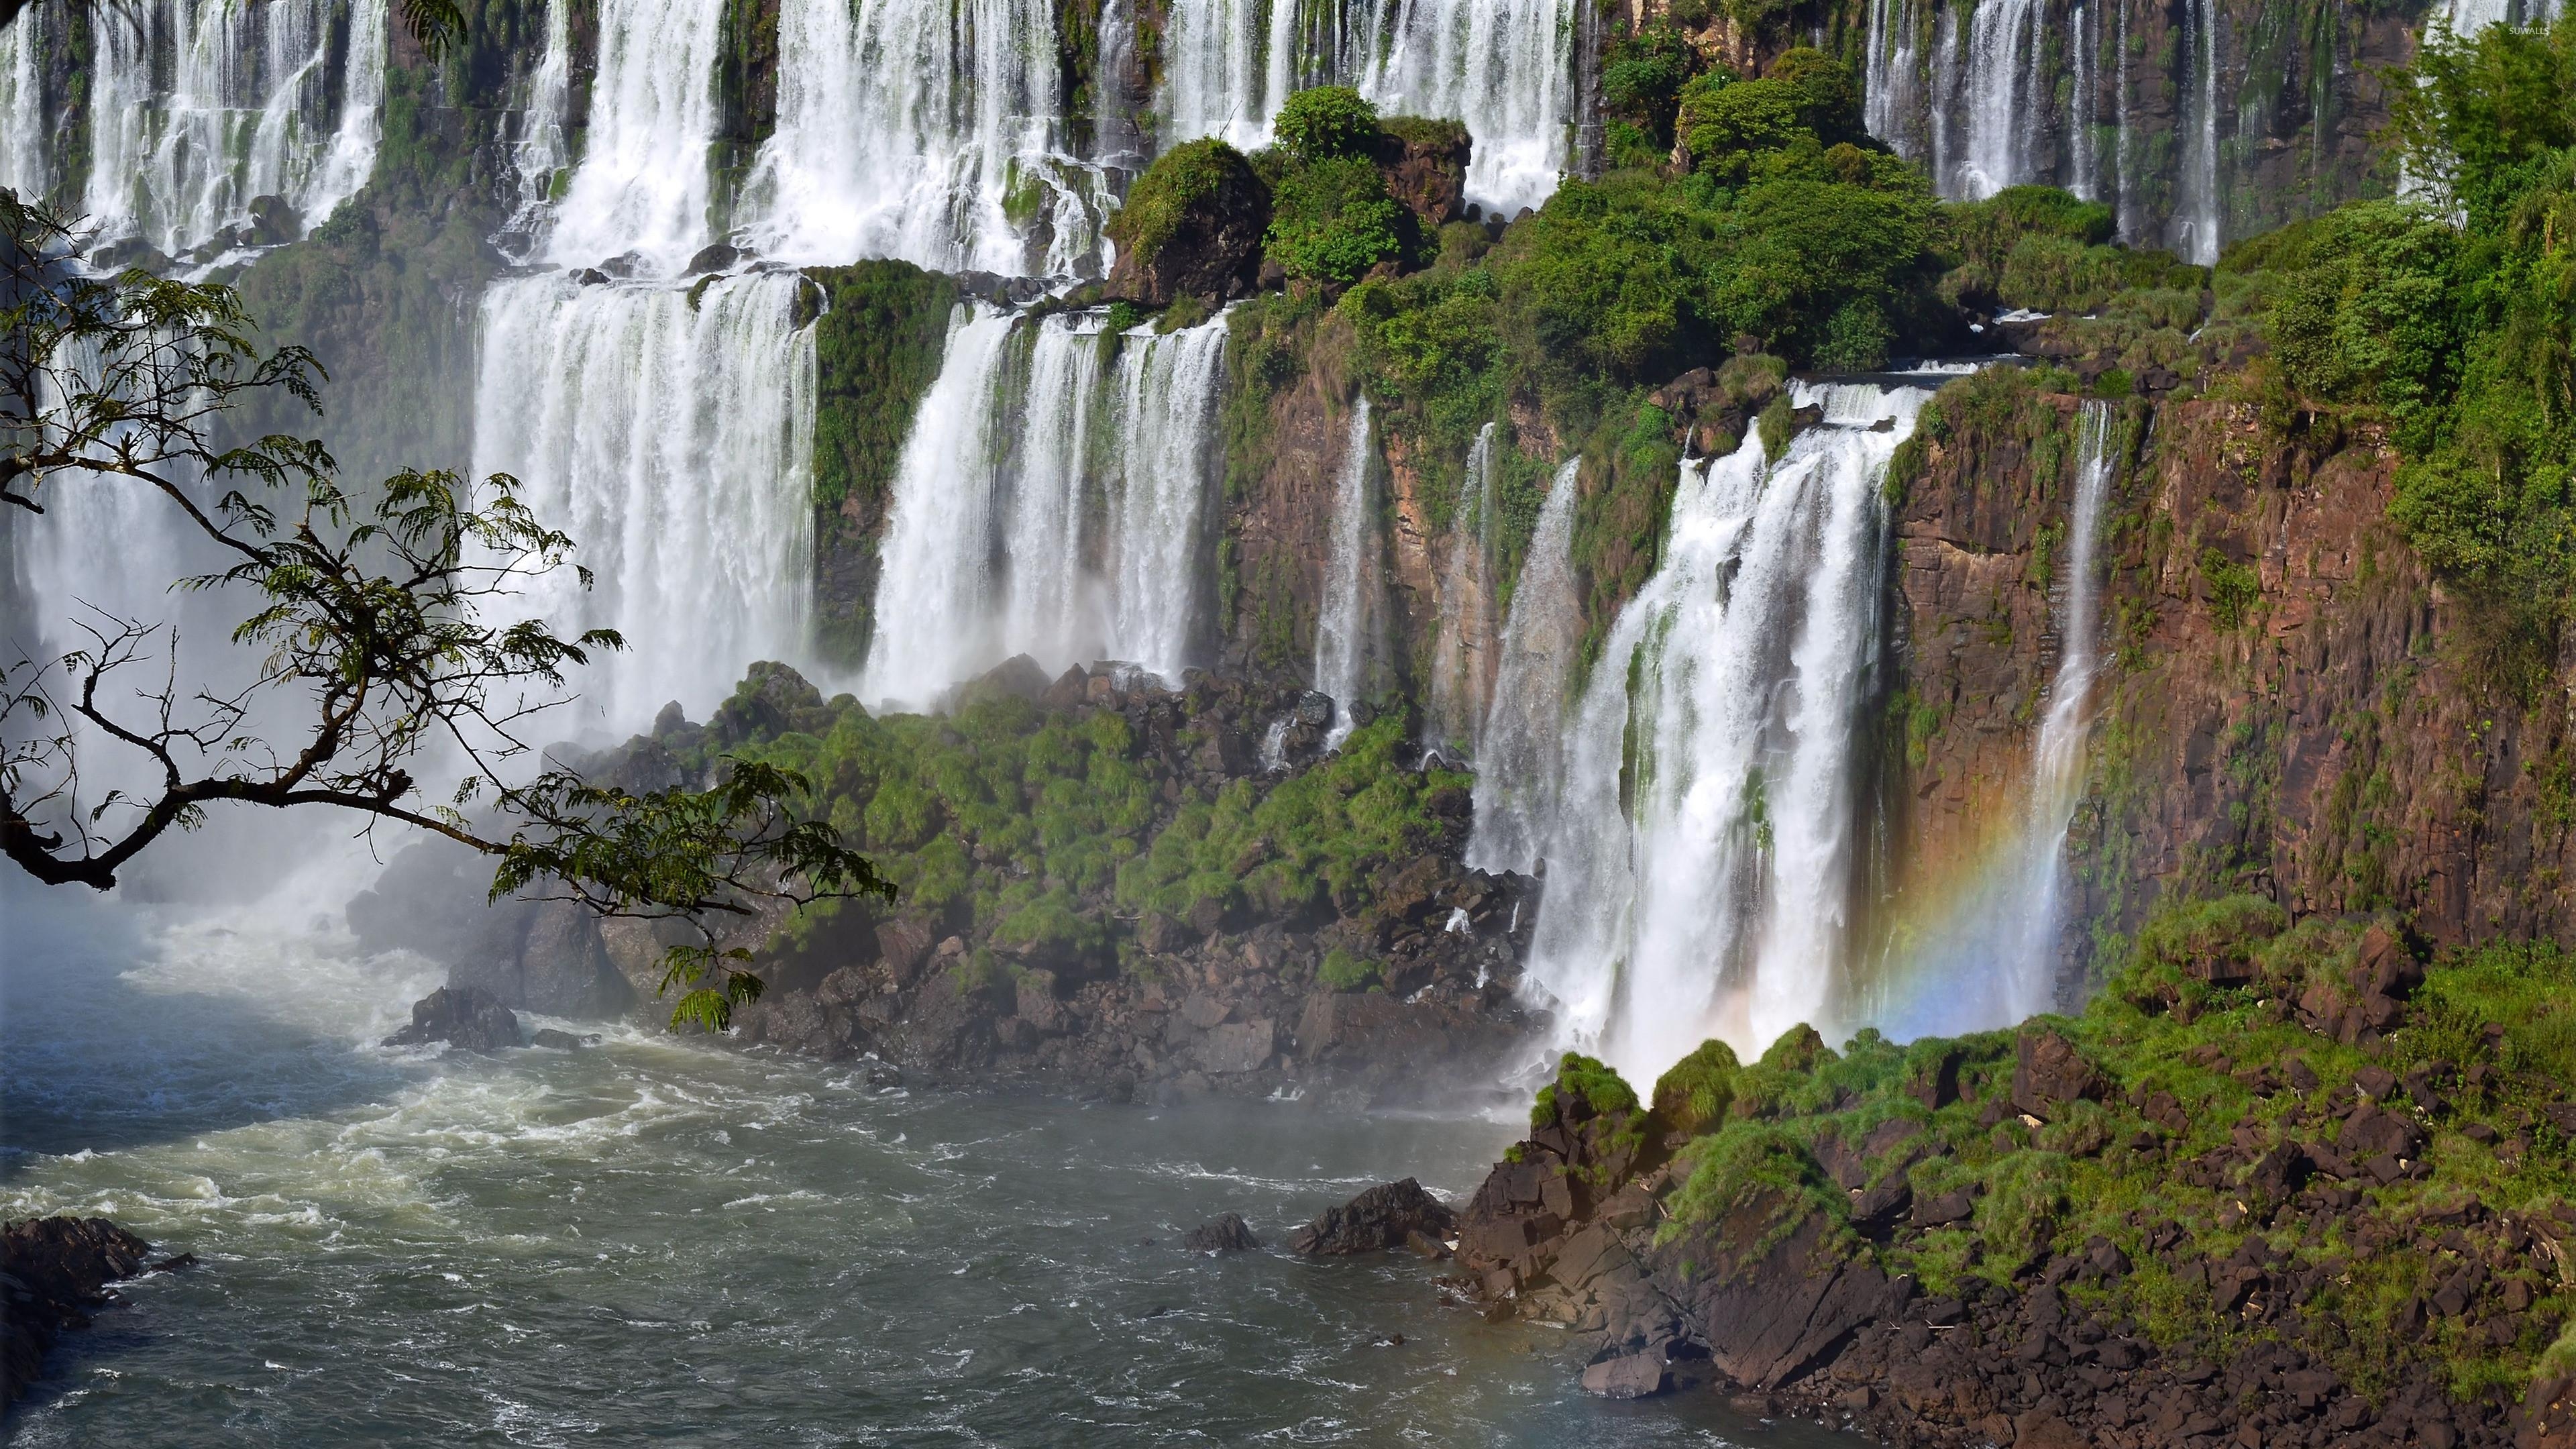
53 1273
468 1018
1389 1215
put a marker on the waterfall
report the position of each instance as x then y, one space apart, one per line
1458 673
1702 853
994 545
2123 159
642 184
1994 963
2194 229
2081 107
1228 65
1520 751
1504 67
2468 17
544 146
1342 615
1892 94
2000 86
199 107
671 435
26 164
922 129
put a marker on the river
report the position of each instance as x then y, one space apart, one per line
668 1240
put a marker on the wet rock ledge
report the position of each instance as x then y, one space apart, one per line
2274 1188
53 1273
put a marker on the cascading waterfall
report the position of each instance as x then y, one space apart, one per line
1520 750
672 437
917 129
1458 673
26 164
1228 66
544 147
1998 84
2082 105
1504 67
1701 854
1995 963
198 107
1342 615
2123 158
2194 230
1893 77
2468 17
643 184
994 546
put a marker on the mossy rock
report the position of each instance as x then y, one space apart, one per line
1192 227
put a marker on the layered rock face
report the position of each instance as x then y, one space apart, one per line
53 1273
2290 702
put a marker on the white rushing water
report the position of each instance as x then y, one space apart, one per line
2467 17
1701 856
26 158
1520 750
198 107
2194 233
1048 505
1996 961
544 145
1504 67
643 183
1342 614
674 443
1996 83
922 129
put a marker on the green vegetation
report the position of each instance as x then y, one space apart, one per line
2459 337
1189 175
877 348
1326 123
1049 832
1331 220
2203 1067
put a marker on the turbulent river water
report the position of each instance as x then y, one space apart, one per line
663 1240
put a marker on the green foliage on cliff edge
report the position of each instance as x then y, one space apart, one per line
2155 1164
877 349
2454 319
1181 178
1050 832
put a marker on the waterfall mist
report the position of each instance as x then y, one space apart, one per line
1520 749
1994 959
1701 853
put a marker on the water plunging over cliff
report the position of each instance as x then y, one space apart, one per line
2468 17
1701 858
1503 67
197 107
1995 961
642 184
1342 614
671 437
1997 84
544 145
1520 751
1048 505
26 165
2194 232
922 129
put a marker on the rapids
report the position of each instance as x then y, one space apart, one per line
659 1237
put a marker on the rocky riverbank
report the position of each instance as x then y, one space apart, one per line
2273 1188
55 1272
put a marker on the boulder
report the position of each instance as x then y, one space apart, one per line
1192 227
713 257
468 1018
2049 1075
274 221
1770 1286
1228 1234
1629 1376
563 1041
1425 166
1379 1218
52 1272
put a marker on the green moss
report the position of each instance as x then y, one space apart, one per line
1343 971
1694 1095
877 349
1185 178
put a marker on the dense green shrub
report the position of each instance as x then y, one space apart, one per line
1326 122
1188 175
1642 76
1331 220
877 349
